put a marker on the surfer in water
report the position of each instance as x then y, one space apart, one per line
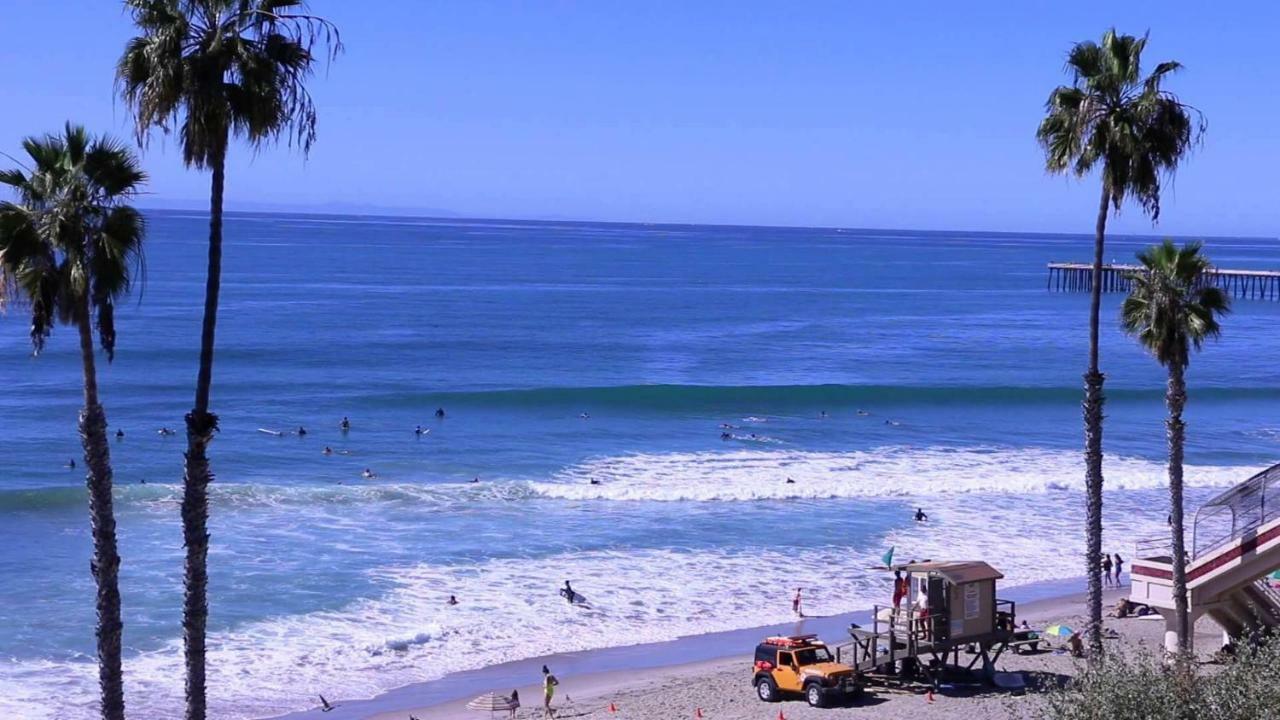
568 592
417 430
302 432
790 481
921 516
327 450
119 434
368 474
440 413
595 481
453 599
345 425
71 463
164 432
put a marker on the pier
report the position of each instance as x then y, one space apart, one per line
1245 284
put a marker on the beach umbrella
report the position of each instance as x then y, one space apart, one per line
491 703
1059 631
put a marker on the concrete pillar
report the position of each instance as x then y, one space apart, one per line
1170 630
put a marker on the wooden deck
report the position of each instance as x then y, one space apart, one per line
1243 284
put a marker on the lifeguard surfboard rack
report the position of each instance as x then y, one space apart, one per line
949 607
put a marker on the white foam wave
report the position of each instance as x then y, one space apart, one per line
888 471
510 609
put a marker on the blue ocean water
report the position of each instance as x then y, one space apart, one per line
878 370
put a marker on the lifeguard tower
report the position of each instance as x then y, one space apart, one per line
948 607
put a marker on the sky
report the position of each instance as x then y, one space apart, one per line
850 114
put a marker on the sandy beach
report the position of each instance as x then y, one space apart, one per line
719 687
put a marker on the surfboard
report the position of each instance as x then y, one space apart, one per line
573 597
275 433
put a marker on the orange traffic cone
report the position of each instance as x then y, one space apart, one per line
613 708
781 716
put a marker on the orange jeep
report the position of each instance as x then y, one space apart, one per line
802 664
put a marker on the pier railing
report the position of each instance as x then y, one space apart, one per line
1245 284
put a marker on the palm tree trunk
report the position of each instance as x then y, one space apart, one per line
106 557
1092 407
1176 399
201 425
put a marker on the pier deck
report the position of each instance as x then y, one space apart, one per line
1245 284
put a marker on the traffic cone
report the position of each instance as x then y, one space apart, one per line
781 716
613 708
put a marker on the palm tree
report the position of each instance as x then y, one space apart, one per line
214 69
1138 133
1171 310
70 247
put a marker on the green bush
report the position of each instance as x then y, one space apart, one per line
1123 686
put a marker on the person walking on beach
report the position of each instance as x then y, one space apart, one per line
1119 564
1106 569
515 703
549 683
795 603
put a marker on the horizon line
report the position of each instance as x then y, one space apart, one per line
450 216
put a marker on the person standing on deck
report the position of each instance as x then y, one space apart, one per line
901 587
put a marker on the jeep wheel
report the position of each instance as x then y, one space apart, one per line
813 694
767 690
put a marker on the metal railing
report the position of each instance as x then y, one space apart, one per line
1245 507
1153 548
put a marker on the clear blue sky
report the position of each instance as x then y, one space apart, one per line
858 114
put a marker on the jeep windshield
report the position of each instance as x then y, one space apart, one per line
812 656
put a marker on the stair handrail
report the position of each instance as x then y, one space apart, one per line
1252 503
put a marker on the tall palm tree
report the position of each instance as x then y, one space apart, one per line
1138 133
213 70
1172 310
69 247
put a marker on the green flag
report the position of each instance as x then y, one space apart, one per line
887 558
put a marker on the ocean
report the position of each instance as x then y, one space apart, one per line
689 371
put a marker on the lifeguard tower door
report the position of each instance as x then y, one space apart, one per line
938 625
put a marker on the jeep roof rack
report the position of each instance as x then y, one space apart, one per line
792 640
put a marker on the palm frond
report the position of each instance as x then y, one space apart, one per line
70 240
1111 115
1171 308
212 69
